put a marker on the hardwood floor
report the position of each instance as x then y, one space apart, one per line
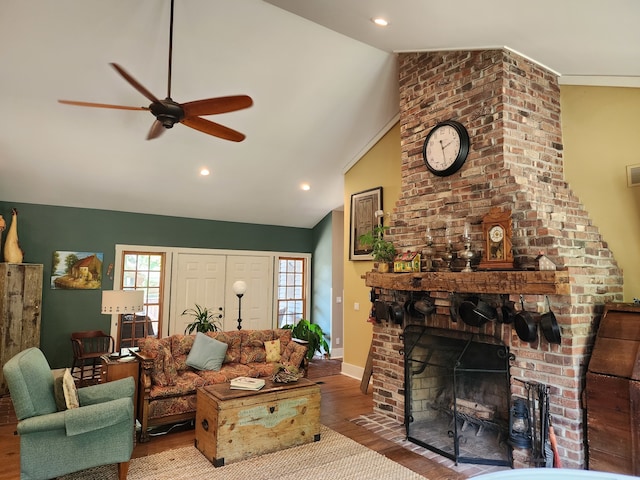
341 401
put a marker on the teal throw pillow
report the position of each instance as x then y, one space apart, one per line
206 353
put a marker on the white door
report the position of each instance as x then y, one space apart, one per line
256 310
197 279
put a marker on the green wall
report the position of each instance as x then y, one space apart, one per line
43 229
322 275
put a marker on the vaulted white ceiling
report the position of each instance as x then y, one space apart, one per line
321 75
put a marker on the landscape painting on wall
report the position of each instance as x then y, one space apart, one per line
76 270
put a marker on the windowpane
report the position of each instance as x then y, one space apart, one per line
142 271
291 290
154 279
130 262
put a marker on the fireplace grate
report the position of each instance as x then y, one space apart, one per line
457 394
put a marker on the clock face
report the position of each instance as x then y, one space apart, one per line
446 147
443 147
496 233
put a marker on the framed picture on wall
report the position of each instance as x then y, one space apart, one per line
364 206
71 270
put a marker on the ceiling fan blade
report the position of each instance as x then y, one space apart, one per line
100 105
156 130
134 83
213 128
212 106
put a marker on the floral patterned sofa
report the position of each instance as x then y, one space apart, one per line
167 390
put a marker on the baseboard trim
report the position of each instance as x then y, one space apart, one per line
337 352
353 371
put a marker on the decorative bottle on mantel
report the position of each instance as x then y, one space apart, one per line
12 251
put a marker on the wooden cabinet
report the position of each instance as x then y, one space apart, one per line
613 392
117 368
20 300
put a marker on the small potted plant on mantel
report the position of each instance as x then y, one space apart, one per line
382 250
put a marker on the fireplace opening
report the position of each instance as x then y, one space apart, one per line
457 394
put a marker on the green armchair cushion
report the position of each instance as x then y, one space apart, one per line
33 395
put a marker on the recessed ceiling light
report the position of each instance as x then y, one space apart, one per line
204 172
306 187
381 22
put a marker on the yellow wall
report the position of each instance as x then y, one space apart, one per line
379 167
600 130
600 126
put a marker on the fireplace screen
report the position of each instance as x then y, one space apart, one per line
457 395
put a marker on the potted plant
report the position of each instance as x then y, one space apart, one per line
312 334
206 320
382 250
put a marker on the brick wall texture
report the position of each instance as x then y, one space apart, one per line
511 109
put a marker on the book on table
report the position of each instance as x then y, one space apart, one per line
247 383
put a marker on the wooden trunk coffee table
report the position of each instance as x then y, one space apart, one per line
233 425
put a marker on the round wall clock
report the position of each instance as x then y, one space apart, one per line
496 232
446 148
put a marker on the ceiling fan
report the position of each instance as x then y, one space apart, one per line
168 112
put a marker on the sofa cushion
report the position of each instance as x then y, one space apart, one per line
284 335
186 383
252 349
294 354
232 339
180 348
272 348
207 353
164 371
226 373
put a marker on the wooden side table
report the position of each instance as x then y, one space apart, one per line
117 368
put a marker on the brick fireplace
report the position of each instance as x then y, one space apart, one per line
511 109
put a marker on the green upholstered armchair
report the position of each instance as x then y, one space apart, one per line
52 443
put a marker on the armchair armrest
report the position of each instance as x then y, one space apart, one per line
96 417
146 367
41 423
80 420
144 393
104 392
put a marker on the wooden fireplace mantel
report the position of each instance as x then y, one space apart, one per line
549 282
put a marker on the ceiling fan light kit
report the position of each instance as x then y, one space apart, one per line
169 112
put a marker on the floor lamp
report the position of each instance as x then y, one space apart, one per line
122 302
239 288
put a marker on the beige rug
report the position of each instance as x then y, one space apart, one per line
334 457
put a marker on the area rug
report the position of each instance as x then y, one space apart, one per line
334 457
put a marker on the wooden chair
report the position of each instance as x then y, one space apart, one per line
88 347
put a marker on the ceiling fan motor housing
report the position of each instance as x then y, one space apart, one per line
167 112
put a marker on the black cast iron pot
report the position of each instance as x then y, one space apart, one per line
469 314
549 326
526 324
396 313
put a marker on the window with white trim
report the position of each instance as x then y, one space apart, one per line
292 291
142 271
